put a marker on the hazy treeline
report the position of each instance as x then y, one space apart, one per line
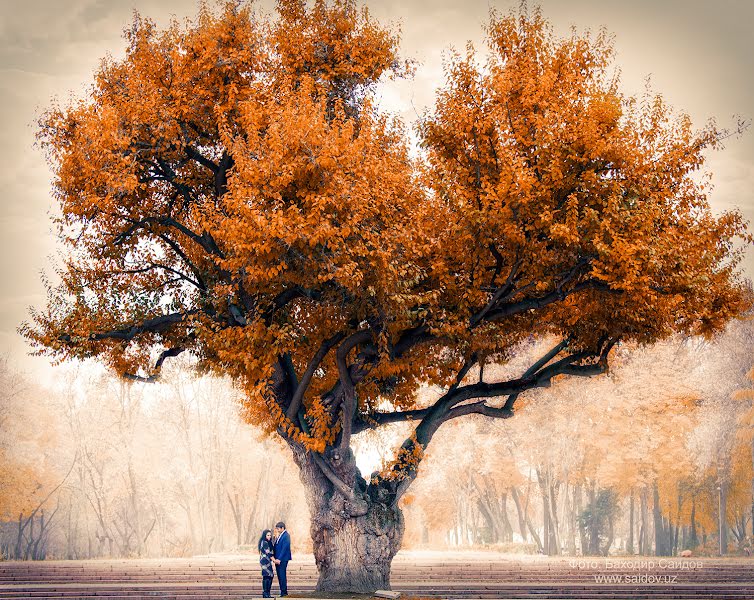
640 461
101 467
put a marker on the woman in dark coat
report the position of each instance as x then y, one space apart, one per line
265 561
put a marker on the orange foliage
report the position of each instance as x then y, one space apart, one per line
407 459
230 189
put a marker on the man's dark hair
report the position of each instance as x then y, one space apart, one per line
280 524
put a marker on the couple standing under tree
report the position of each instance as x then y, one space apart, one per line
277 552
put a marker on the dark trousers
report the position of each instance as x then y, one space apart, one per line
266 586
282 579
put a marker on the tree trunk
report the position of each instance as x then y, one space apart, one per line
235 508
27 552
571 523
594 537
739 528
610 536
493 510
507 527
535 535
549 535
752 492
723 520
674 541
38 551
546 522
644 545
579 506
354 539
554 521
137 526
630 542
19 537
520 513
659 527
493 527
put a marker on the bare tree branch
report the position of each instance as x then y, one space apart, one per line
153 266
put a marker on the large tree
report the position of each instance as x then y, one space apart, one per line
229 189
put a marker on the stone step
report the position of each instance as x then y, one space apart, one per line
41 567
430 575
40 577
490 591
415 577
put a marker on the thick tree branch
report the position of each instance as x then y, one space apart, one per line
421 333
194 154
283 298
205 241
531 371
221 176
450 405
410 338
499 262
420 413
347 384
556 295
169 353
358 369
337 482
504 291
155 376
306 378
365 359
290 372
385 418
416 335
481 408
153 325
543 378
179 251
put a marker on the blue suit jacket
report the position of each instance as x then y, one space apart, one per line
283 547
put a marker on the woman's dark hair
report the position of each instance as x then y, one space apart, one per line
263 538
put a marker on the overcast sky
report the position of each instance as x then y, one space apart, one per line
698 53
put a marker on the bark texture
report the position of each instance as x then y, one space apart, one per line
354 539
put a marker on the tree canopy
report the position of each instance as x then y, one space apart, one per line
230 189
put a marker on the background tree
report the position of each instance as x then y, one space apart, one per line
32 470
229 189
102 468
716 444
598 520
745 450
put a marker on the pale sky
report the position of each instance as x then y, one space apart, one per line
698 53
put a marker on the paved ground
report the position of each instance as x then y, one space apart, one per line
415 574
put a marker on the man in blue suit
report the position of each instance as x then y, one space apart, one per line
282 556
